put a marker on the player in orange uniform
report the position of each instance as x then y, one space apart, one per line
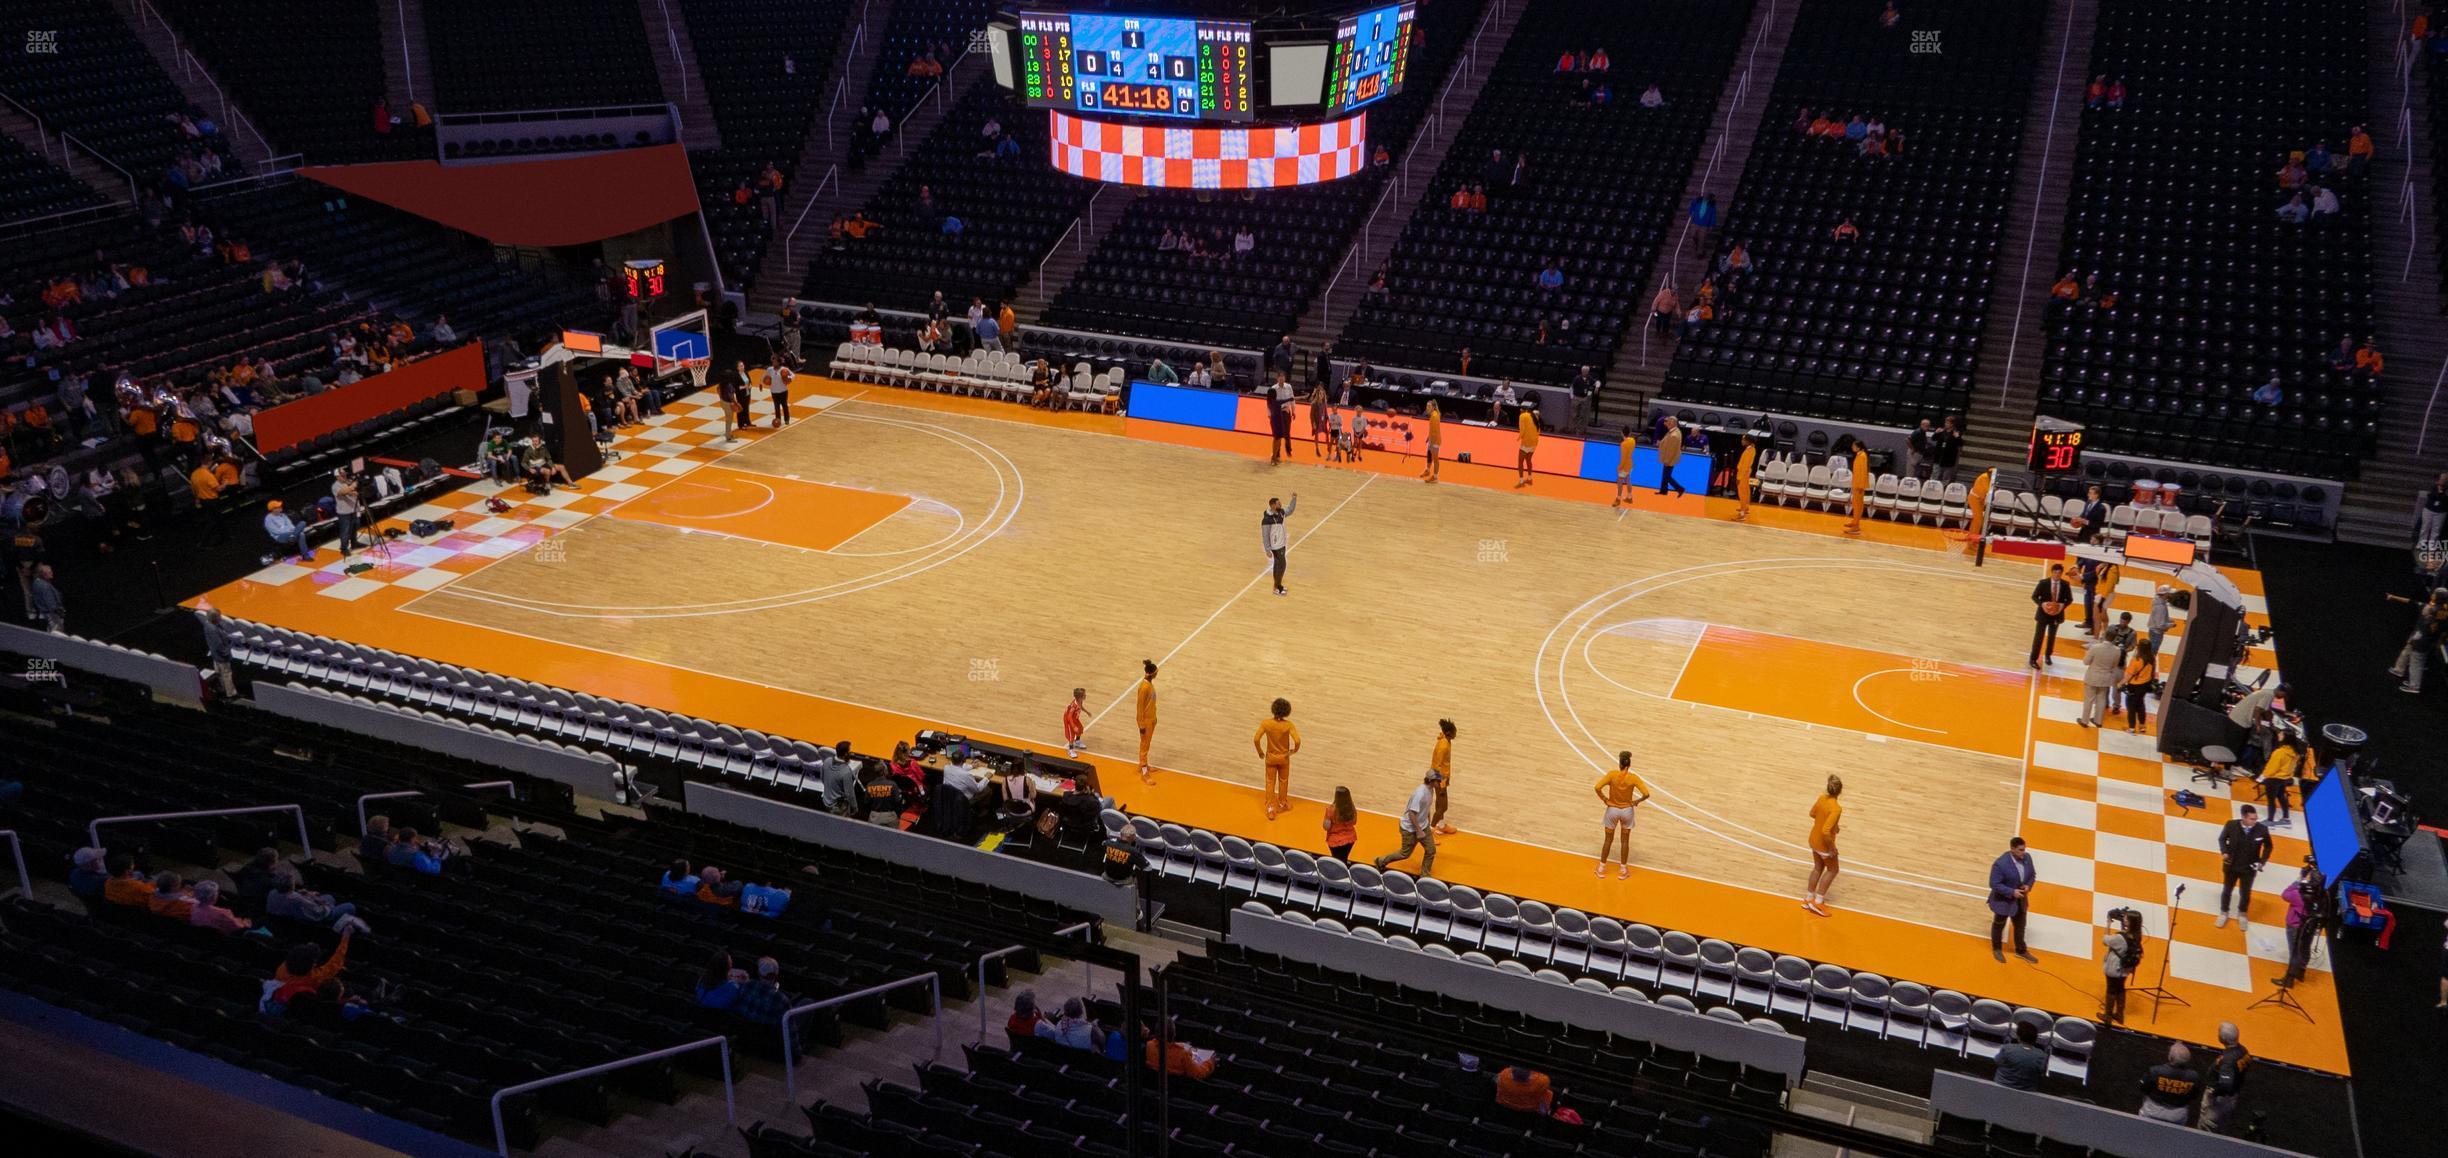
1440 760
1861 484
1622 792
1825 816
1075 721
1623 466
1742 479
1147 718
1276 741
1529 446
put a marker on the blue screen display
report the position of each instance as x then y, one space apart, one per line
2329 821
1136 66
1371 53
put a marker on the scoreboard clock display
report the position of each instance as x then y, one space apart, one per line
1139 66
1371 52
2056 446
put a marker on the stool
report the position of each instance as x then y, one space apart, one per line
2217 766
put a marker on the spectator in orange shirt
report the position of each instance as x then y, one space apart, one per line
171 898
1181 1059
2067 288
1518 1087
2367 360
126 886
2358 150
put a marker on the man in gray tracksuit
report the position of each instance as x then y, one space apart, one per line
1272 535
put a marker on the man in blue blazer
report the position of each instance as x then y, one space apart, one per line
2011 878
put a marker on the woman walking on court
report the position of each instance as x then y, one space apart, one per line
1276 741
1342 825
1436 439
2140 673
1440 758
1321 421
1825 816
1147 718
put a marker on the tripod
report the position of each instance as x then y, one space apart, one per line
2159 992
2282 994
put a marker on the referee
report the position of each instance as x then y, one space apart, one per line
1271 534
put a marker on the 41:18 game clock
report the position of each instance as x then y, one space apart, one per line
2056 446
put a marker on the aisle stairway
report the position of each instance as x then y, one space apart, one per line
785 271
1434 138
407 61
31 134
2379 503
196 83
683 81
1640 366
2008 390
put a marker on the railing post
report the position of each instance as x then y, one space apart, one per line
501 1133
790 1051
25 880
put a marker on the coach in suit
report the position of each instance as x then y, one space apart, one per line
2011 878
2094 517
2049 597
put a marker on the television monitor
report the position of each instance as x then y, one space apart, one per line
1296 74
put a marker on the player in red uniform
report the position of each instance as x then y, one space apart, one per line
1075 721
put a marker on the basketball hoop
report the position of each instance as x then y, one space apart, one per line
696 369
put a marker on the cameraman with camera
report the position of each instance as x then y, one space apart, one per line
2308 914
2124 955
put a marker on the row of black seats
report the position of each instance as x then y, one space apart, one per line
1590 189
1937 201
2174 209
310 85
564 54
98 83
762 106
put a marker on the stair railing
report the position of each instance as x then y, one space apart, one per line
832 176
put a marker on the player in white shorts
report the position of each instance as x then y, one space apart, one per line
1622 791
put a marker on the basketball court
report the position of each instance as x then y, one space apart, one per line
894 561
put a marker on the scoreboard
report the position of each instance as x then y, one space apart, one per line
1141 66
1371 52
2056 446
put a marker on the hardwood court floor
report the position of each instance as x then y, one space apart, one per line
935 562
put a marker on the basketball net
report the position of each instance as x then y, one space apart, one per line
696 368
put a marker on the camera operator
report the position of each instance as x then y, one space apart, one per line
2124 955
2308 914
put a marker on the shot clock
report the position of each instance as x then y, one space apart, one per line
2056 446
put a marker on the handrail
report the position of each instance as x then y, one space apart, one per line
512 116
195 65
501 1135
261 141
93 831
407 58
35 224
146 12
832 176
40 133
790 1055
671 35
1006 951
1067 234
934 92
67 140
249 179
25 880
361 801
